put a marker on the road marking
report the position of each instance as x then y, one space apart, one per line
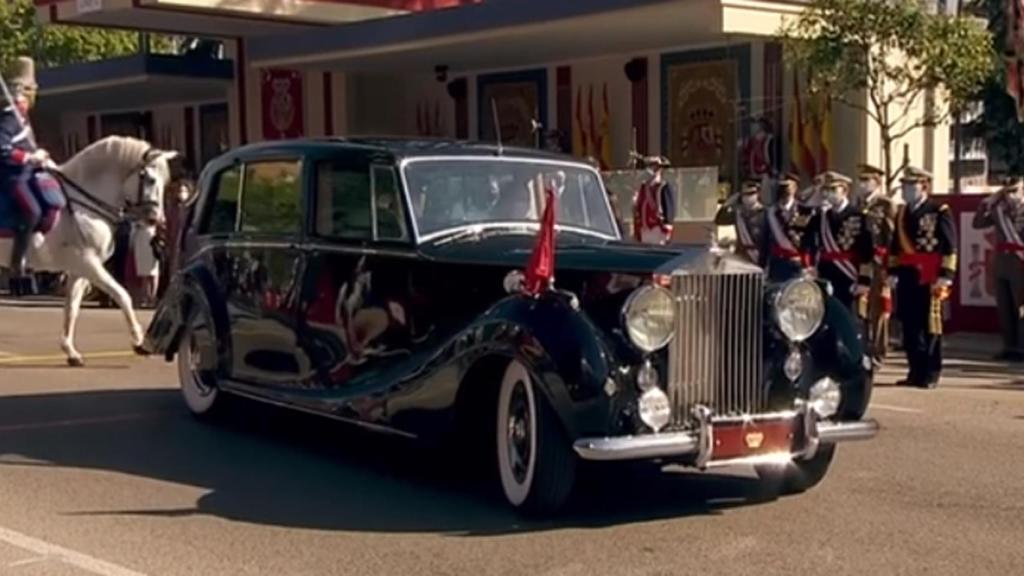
896 408
4 359
79 560
80 422
28 561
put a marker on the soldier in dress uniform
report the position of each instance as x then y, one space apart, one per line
844 243
20 162
791 232
654 205
880 213
922 263
1004 210
747 214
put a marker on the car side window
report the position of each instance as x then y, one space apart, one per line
343 200
224 209
272 197
390 216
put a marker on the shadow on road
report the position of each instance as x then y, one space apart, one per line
270 466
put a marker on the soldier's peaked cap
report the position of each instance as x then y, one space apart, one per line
915 174
22 74
789 177
833 177
750 186
869 170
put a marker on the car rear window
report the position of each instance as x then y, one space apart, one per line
272 197
224 211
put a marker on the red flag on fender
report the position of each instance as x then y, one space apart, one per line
540 270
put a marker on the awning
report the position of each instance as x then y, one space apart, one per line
514 33
134 82
227 18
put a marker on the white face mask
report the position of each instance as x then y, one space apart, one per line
833 198
911 192
749 200
867 188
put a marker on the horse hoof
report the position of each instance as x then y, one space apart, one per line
140 350
76 362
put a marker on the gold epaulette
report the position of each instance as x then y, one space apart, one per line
949 262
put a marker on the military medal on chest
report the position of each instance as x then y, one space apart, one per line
848 231
926 239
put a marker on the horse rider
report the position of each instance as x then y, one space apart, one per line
21 162
880 212
747 214
922 263
654 205
790 237
844 243
1004 211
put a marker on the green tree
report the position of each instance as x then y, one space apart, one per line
1004 133
890 60
21 34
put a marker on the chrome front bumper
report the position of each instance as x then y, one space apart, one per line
699 443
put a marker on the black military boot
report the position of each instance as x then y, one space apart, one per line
21 283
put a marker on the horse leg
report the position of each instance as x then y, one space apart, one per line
105 282
72 306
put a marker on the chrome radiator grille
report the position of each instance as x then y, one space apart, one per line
716 357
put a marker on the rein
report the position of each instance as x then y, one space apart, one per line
101 208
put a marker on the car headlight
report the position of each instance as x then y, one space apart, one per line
650 317
825 396
799 309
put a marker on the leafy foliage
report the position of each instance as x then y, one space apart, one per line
1003 131
22 35
896 53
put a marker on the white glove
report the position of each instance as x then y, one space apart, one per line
39 157
860 290
943 283
893 281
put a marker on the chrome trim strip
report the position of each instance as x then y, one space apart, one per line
233 389
524 224
677 444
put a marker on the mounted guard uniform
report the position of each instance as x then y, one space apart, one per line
923 259
845 250
1008 269
654 208
750 224
34 195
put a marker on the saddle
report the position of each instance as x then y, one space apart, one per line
47 191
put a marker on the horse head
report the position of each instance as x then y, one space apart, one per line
143 190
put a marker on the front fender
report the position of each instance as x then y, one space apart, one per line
839 352
565 352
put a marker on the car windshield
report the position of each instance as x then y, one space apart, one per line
450 193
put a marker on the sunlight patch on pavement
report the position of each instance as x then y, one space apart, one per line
892 408
11 359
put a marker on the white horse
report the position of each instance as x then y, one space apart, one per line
119 172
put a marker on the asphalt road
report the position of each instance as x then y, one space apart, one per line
103 472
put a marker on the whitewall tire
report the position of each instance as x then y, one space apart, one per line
196 352
536 465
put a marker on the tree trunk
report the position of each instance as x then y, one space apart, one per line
887 159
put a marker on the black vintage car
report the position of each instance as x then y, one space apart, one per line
378 282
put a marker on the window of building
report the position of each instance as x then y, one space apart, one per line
272 197
224 209
343 200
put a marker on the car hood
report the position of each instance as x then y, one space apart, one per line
572 252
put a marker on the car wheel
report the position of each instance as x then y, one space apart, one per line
197 353
798 476
536 465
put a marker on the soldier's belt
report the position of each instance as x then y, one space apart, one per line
927 265
786 254
1009 247
837 256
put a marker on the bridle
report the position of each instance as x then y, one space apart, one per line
105 210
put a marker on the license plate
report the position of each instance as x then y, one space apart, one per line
745 439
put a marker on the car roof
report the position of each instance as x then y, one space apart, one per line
399 147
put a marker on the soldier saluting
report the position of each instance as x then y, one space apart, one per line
791 236
880 212
844 243
1004 210
20 161
747 214
922 261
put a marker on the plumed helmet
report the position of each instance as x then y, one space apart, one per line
21 75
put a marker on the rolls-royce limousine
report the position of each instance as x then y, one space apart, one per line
380 282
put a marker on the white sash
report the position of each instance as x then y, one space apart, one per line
779 232
845 266
1008 230
746 238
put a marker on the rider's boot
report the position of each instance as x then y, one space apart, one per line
21 283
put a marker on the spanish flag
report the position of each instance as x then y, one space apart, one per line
800 159
606 132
